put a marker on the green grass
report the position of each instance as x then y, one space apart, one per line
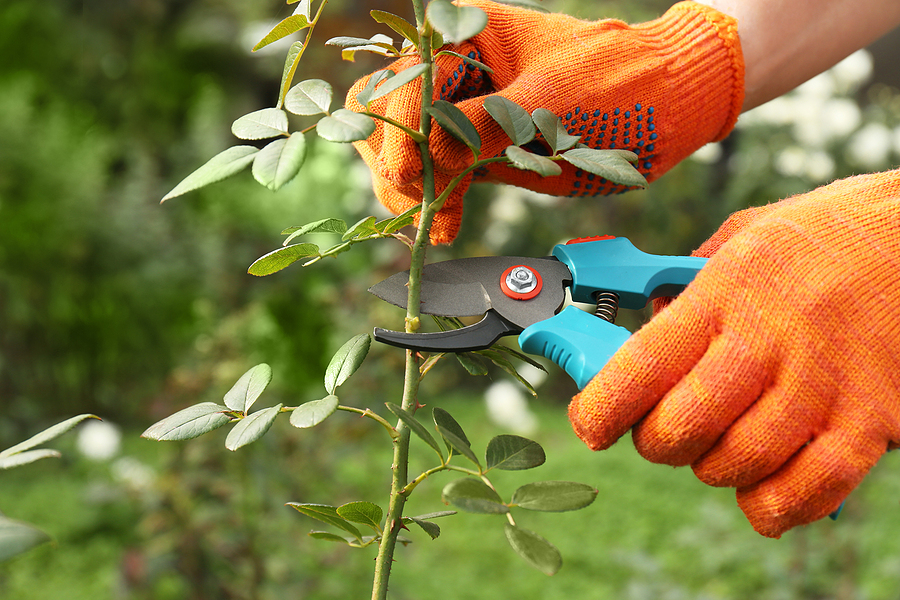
213 525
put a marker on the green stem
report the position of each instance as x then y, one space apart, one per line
375 417
444 467
410 402
439 203
415 135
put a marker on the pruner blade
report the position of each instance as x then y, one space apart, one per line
472 287
478 336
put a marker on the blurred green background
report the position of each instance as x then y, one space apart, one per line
113 304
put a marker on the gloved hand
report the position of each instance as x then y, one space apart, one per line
776 371
661 89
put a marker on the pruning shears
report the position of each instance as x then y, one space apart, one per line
524 296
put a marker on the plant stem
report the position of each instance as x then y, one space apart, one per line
410 402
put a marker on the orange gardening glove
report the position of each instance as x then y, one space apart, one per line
661 89
776 371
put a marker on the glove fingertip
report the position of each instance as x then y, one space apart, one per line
812 485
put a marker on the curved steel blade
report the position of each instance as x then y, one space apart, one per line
477 336
471 286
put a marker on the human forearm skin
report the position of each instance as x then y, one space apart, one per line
786 42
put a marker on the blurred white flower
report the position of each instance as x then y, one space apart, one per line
821 87
795 161
840 117
870 147
99 440
508 206
508 408
132 472
896 136
790 161
815 110
779 111
708 154
853 71
819 166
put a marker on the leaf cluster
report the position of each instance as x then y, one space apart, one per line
17 537
364 230
204 417
522 129
477 494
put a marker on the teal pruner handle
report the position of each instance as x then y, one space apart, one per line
577 341
615 265
582 343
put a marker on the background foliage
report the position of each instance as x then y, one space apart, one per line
114 305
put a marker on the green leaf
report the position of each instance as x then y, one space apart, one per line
329 537
554 496
512 352
365 96
337 249
346 41
261 124
444 419
513 453
398 81
432 529
398 24
473 495
522 159
17 538
295 52
379 44
310 97
553 131
312 413
437 40
364 513
345 126
529 4
248 388
346 361
470 60
458 445
456 23
304 8
402 220
46 435
24 458
512 118
323 226
326 514
362 228
471 363
538 552
456 123
286 27
251 428
415 426
222 165
189 423
501 361
609 164
280 161
283 257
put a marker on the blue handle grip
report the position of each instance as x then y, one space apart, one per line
582 343
577 341
615 265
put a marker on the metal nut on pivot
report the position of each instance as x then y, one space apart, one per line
521 280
